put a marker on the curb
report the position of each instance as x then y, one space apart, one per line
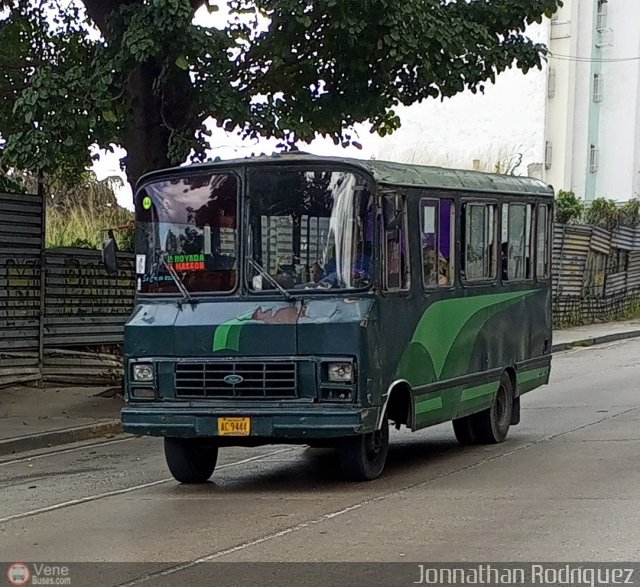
557 348
20 444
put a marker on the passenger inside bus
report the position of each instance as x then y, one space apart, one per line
435 272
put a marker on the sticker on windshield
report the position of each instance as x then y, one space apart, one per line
141 263
186 262
146 202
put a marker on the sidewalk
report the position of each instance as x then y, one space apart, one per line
595 334
32 418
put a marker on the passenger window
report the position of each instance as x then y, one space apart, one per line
480 238
515 252
542 248
437 241
395 244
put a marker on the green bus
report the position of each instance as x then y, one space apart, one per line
317 301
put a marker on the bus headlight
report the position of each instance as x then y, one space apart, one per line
340 372
143 372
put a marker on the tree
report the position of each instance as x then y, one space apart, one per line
142 75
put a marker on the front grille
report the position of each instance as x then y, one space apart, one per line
259 380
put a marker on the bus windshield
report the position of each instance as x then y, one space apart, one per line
187 227
309 229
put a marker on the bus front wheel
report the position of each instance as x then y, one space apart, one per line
490 426
362 458
190 460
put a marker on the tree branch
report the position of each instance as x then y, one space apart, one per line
99 10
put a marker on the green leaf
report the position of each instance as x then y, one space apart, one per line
182 62
110 116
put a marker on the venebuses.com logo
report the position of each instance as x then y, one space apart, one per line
18 574
38 574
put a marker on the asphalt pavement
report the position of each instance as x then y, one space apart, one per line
565 486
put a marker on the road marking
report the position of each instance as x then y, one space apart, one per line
335 514
81 500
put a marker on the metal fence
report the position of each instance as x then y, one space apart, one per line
21 295
85 306
596 274
62 315
84 315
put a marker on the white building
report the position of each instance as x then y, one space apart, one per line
576 123
593 107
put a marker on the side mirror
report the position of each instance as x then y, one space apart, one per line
109 260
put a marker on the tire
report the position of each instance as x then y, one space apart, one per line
464 431
190 460
362 458
492 426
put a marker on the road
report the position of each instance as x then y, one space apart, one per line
565 486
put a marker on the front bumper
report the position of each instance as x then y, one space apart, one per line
268 425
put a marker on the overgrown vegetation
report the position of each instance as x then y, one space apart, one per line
604 213
601 212
79 215
85 228
569 208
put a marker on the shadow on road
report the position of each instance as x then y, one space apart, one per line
312 470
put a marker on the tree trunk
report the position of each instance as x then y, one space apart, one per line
146 136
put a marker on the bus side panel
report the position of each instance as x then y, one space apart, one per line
468 341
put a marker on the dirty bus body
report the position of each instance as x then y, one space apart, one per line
299 299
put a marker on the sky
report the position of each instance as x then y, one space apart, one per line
453 133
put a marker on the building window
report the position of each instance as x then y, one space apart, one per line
395 243
548 154
598 87
601 17
594 156
437 228
480 238
551 83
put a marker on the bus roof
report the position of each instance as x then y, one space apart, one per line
388 173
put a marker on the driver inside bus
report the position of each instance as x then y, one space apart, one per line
360 269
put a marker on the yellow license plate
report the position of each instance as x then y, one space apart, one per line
234 426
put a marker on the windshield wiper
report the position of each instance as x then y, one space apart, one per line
183 290
271 280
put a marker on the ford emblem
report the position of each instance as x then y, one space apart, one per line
233 379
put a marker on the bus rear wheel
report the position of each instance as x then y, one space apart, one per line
490 426
190 460
362 458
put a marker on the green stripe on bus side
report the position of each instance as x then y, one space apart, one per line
479 391
428 405
527 376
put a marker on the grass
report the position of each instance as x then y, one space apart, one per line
86 228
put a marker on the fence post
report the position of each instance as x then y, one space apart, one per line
43 275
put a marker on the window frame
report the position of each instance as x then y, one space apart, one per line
465 202
247 241
533 219
548 241
173 175
452 244
404 232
